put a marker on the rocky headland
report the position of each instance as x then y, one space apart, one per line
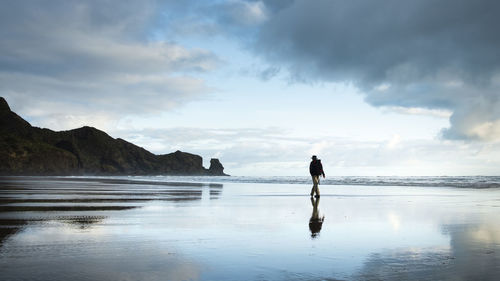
28 150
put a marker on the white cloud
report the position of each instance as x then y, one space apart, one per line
438 113
486 131
90 65
394 141
269 151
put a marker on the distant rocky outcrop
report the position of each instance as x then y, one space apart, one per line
216 167
28 150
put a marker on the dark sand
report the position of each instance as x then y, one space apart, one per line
108 229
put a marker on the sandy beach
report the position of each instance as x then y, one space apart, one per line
117 229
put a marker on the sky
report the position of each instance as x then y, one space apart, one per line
374 88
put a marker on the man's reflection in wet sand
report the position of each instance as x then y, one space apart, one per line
315 222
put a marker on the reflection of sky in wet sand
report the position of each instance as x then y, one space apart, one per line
466 258
245 232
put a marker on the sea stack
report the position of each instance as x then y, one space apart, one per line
216 168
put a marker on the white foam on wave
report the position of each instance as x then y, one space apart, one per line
424 181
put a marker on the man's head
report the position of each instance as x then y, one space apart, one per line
314 158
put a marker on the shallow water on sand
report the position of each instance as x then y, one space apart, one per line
116 229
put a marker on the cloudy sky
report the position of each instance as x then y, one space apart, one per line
383 87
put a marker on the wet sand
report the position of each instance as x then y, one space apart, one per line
108 229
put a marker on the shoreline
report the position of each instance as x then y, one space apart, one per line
463 182
116 230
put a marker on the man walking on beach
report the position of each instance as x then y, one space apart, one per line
315 169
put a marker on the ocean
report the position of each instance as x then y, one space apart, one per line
423 181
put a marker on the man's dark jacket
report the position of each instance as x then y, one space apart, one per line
315 168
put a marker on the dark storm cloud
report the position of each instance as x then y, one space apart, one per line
92 56
430 54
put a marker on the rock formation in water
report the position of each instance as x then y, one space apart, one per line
28 150
216 167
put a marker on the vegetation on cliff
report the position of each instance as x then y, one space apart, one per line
28 150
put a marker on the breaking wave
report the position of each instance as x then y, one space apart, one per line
442 181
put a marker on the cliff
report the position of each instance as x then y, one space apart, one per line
28 150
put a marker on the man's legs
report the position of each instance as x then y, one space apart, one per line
315 188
